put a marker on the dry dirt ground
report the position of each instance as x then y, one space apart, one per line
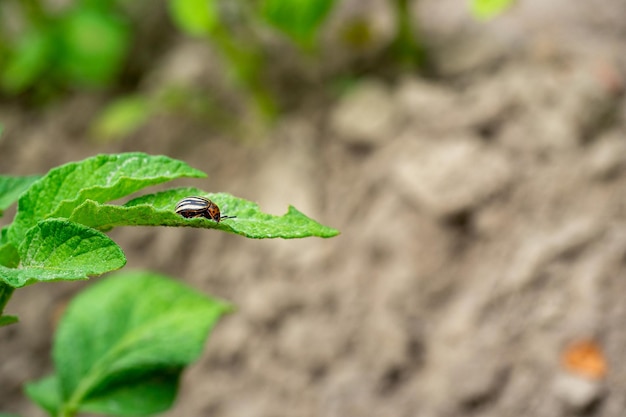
483 231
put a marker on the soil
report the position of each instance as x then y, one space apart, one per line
483 231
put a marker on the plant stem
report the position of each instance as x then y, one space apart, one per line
407 51
64 412
246 63
5 295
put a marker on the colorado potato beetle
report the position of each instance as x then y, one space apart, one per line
199 207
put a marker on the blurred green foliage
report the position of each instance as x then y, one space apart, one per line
299 19
84 44
488 9
80 46
122 117
195 17
241 52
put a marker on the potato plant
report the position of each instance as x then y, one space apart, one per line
122 344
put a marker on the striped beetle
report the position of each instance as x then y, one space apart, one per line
199 207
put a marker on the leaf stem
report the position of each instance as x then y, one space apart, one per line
6 291
64 412
245 62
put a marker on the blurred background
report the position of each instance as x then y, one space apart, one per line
472 154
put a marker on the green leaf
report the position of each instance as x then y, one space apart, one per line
195 17
299 19
8 415
100 178
158 210
5 295
12 187
57 249
9 256
122 117
93 45
488 9
4 235
122 344
28 61
149 395
8 252
45 393
5 321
